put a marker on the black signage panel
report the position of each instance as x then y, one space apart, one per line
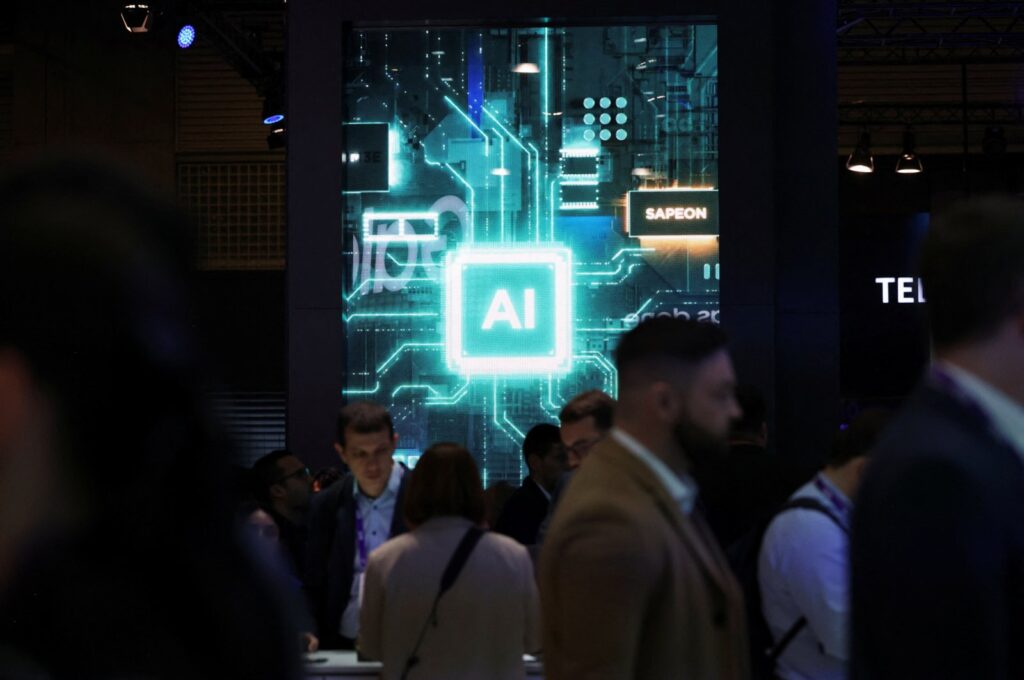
672 212
366 158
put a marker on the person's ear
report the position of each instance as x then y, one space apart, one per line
663 401
341 452
277 491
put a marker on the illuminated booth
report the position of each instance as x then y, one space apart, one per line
482 201
515 199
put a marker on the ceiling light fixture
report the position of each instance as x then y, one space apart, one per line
860 160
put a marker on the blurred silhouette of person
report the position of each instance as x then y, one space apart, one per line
119 555
744 487
938 530
527 507
486 621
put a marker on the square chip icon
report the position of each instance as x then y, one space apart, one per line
509 311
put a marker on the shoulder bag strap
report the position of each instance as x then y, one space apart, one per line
451 573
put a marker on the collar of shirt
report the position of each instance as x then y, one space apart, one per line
683 490
1006 415
391 490
544 491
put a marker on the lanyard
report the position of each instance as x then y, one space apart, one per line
361 539
835 499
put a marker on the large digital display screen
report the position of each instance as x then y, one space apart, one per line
515 199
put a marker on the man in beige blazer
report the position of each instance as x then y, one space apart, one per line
632 582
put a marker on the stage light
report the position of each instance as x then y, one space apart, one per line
909 162
136 17
606 135
605 118
620 102
276 139
861 160
186 36
588 135
588 119
621 118
526 67
588 103
605 102
621 135
273 109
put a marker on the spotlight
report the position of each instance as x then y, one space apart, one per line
186 36
526 67
909 163
136 17
860 160
276 139
273 110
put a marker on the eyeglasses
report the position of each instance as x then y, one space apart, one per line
301 472
581 448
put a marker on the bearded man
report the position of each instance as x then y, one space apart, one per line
633 584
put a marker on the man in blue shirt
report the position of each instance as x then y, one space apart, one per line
350 519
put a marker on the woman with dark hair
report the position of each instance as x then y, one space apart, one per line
119 555
486 621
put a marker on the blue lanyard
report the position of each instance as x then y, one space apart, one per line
361 539
835 499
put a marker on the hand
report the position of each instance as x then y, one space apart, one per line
310 642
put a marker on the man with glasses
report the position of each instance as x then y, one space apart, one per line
283 487
351 518
584 421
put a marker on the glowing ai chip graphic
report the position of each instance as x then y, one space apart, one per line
509 311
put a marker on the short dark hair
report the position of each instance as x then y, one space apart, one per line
755 411
652 342
972 264
860 437
363 417
586 404
265 474
445 482
539 439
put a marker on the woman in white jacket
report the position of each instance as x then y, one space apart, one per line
487 620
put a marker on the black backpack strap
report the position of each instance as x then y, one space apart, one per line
776 650
448 578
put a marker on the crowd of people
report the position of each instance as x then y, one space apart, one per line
656 535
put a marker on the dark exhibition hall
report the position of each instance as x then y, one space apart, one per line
682 340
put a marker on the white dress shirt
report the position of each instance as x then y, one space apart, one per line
803 570
682 489
376 514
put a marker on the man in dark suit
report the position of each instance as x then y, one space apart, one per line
528 506
938 535
744 487
350 519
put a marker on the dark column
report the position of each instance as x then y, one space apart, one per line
314 269
779 209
